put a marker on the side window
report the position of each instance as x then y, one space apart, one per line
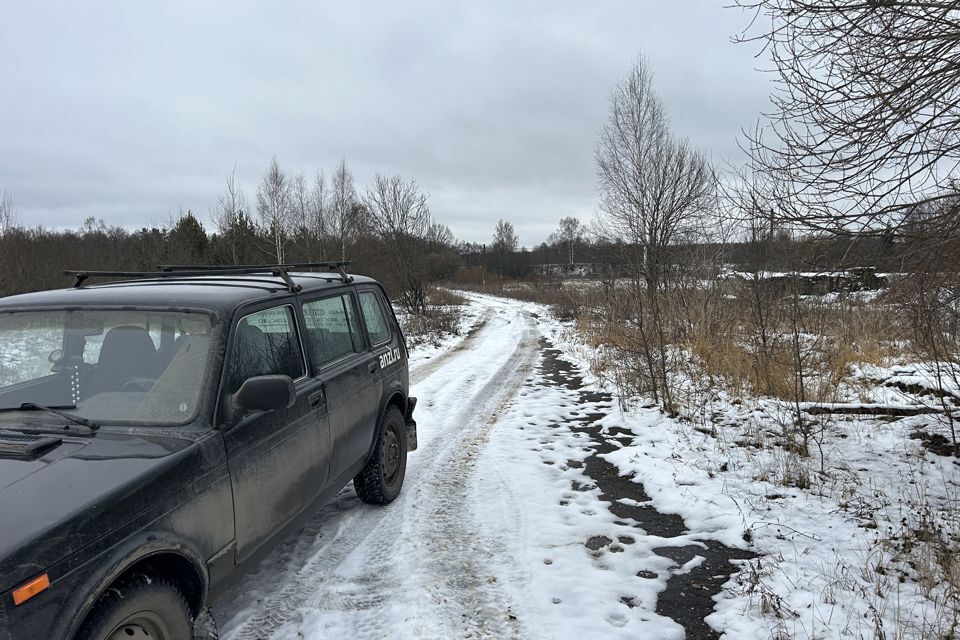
332 329
265 344
373 317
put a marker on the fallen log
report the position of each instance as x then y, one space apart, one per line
857 408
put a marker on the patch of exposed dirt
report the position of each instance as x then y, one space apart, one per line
934 443
688 598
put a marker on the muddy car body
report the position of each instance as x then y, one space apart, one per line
159 434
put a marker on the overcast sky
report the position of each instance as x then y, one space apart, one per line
129 111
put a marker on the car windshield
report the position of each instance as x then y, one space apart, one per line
108 365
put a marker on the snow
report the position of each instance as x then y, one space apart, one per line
828 567
561 580
422 351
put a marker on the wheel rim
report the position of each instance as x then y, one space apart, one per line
390 455
145 625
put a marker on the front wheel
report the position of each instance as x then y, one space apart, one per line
380 480
141 608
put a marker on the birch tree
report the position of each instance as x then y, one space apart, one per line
8 217
343 210
319 210
654 192
654 187
274 208
230 211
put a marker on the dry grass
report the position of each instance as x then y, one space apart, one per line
443 318
442 297
717 329
825 345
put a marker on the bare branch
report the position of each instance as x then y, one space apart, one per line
865 114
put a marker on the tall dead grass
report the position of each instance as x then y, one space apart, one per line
822 347
442 319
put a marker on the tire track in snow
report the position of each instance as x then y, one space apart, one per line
417 562
437 545
419 374
453 550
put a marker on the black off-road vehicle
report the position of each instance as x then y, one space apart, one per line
161 431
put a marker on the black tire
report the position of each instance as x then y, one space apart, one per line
140 608
380 480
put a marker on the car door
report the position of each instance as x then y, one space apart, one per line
347 370
277 459
385 349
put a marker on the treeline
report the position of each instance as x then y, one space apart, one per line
385 230
590 256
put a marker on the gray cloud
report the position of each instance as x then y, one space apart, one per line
128 112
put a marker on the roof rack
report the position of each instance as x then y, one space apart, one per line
174 271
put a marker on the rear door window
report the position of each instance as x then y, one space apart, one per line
332 329
374 318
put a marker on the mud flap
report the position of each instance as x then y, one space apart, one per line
204 626
411 425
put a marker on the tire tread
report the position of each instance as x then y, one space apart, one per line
369 482
127 588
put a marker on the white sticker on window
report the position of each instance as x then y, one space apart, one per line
275 320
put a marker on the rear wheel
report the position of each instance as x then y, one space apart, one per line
380 480
140 608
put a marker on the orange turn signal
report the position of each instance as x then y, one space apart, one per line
30 589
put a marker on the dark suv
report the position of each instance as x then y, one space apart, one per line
161 431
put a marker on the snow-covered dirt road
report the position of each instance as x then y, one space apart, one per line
505 527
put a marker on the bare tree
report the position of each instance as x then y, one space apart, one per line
505 243
8 217
231 206
399 214
10 252
301 212
300 203
863 136
319 209
273 207
931 298
654 188
865 115
343 208
654 191
440 236
504 237
569 234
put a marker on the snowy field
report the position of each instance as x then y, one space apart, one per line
851 540
506 529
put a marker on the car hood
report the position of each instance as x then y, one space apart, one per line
55 504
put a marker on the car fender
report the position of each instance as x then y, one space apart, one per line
100 572
392 394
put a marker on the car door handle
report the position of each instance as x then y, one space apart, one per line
372 366
317 399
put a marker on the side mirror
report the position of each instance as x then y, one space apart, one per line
265 393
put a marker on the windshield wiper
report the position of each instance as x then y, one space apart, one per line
33 406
